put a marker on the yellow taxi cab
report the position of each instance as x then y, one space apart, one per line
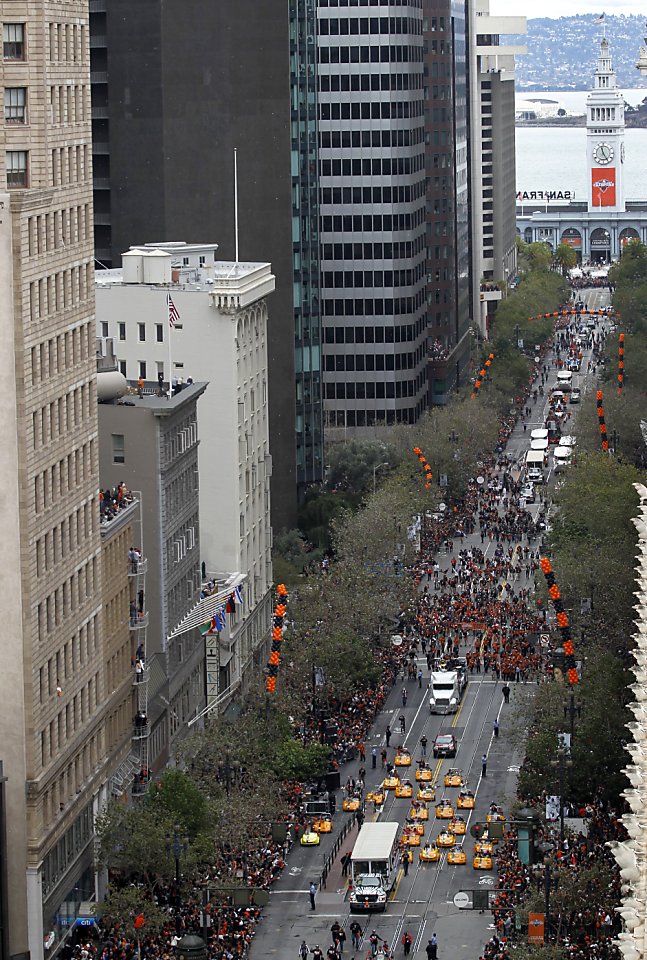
444 810
453 778
404 789
484 847
351 804
410 837
465 800
495 818
402 758
456 857
457 826
309 838
429 854
377 796
322 824
390 783
445 839
419 813
415 826
426 792
424 774
482 862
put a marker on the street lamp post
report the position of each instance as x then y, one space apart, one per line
562 763
177 844
572 710
229 770
378 466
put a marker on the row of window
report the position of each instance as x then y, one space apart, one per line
372 251
56 419
371 362
414 4
400 333
58 481
179 439
367 223
69 103
118 725
379 167
373 418
72 718
60 291
370 26
371 54
346 82
333 139
59 354
372 195
398 307
70 165
67 661
356 279
67 42
380 390
60 229
81 832
116 614
378 110
65 599
65 538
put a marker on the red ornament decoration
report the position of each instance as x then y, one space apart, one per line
277 638
562 621
621 362
603 426
425 467
482 374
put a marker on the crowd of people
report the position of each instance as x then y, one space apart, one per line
112 502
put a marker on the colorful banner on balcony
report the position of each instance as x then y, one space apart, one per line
482 375
425 467
562 621
603 426
277 638
621 362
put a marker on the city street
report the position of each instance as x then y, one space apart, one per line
423 901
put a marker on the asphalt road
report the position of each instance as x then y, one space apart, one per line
423 901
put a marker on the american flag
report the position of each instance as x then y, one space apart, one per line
599 19
173 315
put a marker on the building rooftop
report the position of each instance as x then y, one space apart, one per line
160 406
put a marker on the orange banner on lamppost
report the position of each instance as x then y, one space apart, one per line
536 923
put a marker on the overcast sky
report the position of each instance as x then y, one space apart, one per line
566 8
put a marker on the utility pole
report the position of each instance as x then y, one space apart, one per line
562 764
572 710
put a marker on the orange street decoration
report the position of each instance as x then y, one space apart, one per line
277 637
603 426
482 375
562 621
425 467
621 362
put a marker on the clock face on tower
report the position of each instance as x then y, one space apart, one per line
603 153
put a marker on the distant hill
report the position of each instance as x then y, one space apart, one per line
561 53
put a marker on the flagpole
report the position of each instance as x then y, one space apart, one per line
236 199
170 355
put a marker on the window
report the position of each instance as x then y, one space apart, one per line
122 367
141 332
118 448
142 369
122 331
159 332
15 99
104 328
16 168
13 41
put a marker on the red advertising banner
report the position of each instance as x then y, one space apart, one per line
603 183
536 927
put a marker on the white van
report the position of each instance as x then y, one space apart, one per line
539 444
535 466
539 434
562 458
565 376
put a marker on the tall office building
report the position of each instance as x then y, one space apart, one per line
372 190
492 143
305 239
174 92
449 255
53 682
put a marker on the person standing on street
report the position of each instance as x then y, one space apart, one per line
374 758
313 893
407 940
304 950
404 696
505 690
406 860
387 736
355 934
423 746
402 723
484 765
341 940
432 948
495 727
373 940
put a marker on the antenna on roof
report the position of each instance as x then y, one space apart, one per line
236 199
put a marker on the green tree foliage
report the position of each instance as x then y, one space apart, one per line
132 841
296 761
318 511
629 277
537 256
176 797
121 908
564 258
351 464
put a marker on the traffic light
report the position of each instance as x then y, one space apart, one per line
477 830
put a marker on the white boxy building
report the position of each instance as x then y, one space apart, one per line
219 335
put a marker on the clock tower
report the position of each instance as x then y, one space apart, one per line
605 138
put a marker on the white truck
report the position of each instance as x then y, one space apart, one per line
447 685
374 861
